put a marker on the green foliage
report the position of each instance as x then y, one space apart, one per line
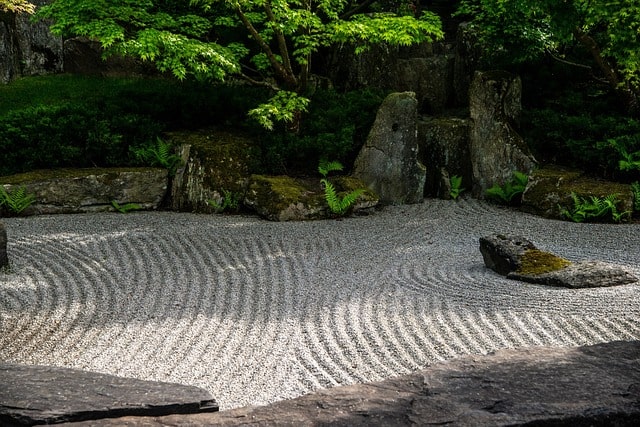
160 154
629 161
635 188
230 202
456 186
594 209
16 6
335 127
126 208
521 30
511 191
16 200
207 39
339 205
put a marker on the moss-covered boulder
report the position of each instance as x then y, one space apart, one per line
283 198
215 163
89 190
550 188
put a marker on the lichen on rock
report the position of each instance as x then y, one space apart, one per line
535 261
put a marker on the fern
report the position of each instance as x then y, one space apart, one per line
16 200
127 207
339 205
325 167
159 155
230 201
594 208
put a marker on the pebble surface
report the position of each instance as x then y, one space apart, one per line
256 311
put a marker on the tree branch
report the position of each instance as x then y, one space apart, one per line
357 9
282 45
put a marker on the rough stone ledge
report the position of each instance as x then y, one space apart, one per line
31 395
596 385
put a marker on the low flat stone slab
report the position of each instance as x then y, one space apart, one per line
32 395
582 386
517 258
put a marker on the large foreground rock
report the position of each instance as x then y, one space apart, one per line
388 163
4 258
519 259
90 190
496 149
596 385
46 395
549 190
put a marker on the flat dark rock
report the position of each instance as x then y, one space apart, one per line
596 385
584 274
32 395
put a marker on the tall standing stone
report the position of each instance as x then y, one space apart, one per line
496 148
4 258
388 163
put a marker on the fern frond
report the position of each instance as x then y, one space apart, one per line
17 199
325 167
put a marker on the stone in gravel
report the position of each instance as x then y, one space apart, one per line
519 259
44 395
584 386
4 258
585 274
503 253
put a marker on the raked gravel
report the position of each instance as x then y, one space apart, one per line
256 311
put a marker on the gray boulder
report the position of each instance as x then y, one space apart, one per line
444 150
519 259
90 190
28 48
496 149
4 258
388 163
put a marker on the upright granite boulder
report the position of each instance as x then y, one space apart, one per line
496 148
28 48
4 258
388 163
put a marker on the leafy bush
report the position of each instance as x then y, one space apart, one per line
159 154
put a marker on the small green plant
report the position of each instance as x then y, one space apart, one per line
510 192
127 207
635 188
629 161
16 200
338 205
230 201
160 155
594 208
455 182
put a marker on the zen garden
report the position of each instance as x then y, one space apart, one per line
319 212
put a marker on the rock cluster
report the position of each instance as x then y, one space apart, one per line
519 259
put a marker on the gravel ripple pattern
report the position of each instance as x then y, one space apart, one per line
256 311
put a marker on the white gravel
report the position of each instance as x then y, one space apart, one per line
256 311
